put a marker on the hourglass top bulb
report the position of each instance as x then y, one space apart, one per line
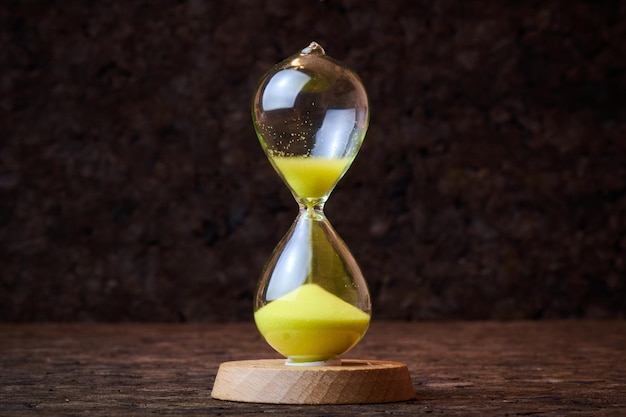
310 113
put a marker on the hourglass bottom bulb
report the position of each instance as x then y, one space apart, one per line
309 324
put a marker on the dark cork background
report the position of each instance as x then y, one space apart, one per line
491 184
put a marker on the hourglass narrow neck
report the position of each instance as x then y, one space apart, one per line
313 209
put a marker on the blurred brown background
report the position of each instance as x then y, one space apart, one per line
492 181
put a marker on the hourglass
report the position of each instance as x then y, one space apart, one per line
312 304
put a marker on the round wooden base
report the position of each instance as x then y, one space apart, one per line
352 382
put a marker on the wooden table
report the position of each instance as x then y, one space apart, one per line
553 368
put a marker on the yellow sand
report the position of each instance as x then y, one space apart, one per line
310 324
311 177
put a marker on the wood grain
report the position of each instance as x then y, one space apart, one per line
353 382
552 368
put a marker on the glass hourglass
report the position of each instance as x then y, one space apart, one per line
311 114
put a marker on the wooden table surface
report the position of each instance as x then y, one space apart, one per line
545 368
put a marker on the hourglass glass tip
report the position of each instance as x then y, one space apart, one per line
313 48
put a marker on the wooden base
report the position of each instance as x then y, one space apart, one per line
352 382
